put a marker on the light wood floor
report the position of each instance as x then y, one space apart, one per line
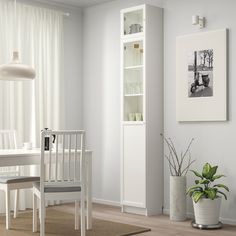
160 225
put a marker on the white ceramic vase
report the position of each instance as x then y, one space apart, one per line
178 198
207 211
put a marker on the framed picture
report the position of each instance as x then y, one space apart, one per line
201 76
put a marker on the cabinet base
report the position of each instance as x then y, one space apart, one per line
134 210
141 211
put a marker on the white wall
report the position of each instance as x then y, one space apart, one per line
101 107
73 70
214 140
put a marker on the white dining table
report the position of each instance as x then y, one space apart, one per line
23 157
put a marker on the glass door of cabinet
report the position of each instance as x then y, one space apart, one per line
133 81
133 22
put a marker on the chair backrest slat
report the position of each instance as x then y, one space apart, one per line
64 163
63 155
75 155
50 158
56 158
69 157
8 141
82 162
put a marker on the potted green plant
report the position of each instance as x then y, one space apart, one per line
179 164
207 196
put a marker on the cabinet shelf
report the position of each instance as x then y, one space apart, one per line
131 36
133 122
138 67
134 95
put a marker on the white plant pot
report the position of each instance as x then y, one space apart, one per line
207 211
178 198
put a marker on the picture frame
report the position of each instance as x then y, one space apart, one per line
201 76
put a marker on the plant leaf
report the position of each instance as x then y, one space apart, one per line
195 188
211 193
212 172
206 169
197 174
191 192
217 177
204 181
223 194
197 196
221 186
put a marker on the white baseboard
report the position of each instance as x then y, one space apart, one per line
228 221
106 202
191 216
167 212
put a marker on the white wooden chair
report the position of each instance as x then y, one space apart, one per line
10 178
62 175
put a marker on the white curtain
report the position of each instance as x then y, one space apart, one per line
30 106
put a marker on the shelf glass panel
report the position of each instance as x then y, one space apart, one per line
133 108
133 82
133 54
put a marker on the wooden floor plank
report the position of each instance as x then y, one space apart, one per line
159 225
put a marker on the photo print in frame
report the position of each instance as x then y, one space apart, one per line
201 76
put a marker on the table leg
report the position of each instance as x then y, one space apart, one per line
8 212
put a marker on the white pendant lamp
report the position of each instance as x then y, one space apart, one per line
15 70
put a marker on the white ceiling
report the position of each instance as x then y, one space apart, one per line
78 3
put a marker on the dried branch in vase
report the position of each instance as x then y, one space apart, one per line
178 164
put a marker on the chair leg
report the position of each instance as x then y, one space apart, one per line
82 214
42 216
16 205
8 212
89 193
35 220
89 212
40 212
76 215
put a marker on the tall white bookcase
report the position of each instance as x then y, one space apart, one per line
142 110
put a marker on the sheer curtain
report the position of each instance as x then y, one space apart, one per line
30 106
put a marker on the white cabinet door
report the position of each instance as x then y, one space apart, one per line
134 164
